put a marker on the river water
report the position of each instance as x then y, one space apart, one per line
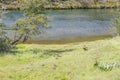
70 25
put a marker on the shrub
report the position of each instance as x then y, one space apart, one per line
5 45
116 22
24 28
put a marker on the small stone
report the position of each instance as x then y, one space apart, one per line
85 48
54 66
30 63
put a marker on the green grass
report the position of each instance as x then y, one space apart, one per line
63 62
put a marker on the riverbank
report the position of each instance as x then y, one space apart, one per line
68 5
82 5
96 60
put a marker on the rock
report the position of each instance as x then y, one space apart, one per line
85 48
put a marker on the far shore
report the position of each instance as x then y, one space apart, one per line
14 7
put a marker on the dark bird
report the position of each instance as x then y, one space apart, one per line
42 64
85 48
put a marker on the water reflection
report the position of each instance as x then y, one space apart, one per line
70 25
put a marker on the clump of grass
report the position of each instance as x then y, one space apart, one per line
107 66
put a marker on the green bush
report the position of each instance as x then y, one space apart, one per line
5 45
24 28
116 22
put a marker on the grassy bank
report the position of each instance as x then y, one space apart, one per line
69 4
73 4
97 60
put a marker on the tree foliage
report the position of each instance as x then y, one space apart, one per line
26 27
116 22
4 40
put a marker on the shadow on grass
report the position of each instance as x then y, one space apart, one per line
49 52
14 51
57 53
39 52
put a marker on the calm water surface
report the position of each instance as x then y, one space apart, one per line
70 25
